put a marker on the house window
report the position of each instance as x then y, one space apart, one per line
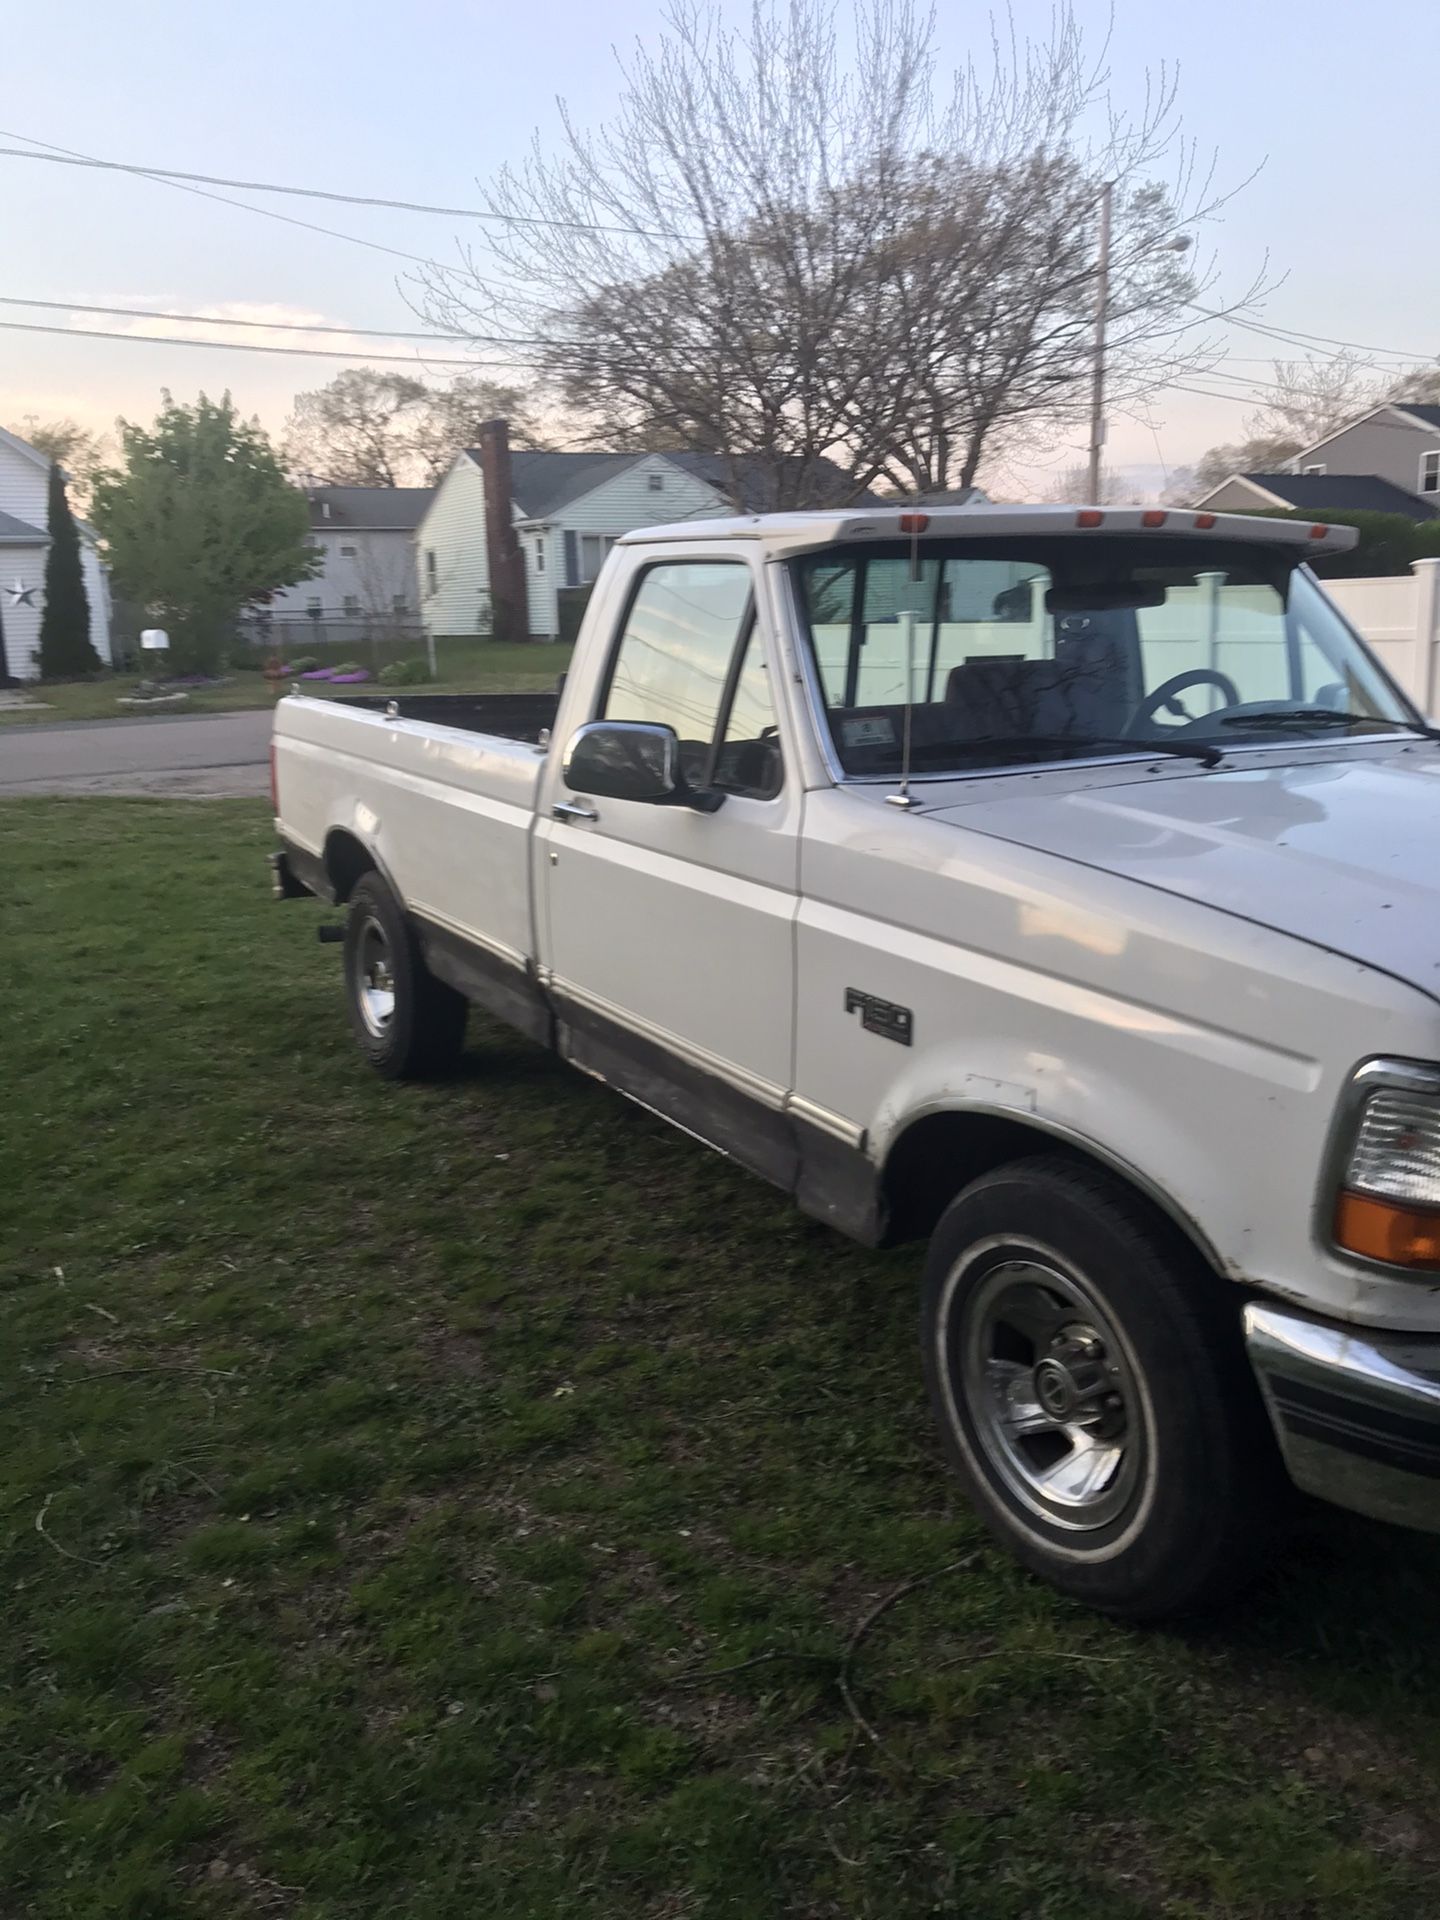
655 482
1318 468
352 606
593 549
431 583
1430 472
539 553
399 604
347 553
314 606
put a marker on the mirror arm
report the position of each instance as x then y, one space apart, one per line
700 799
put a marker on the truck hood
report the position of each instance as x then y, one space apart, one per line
1343 853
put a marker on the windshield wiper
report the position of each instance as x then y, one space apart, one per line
1208 755
1314 717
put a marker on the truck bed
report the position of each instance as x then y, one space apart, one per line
505 716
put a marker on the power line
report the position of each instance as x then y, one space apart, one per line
270 326
63 158
245 206
246 346
1296 336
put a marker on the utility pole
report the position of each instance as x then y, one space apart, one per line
1097 382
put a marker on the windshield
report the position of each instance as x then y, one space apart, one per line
1032 650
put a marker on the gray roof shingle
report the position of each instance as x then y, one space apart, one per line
1343 492
543 483
19 533
1430 415
376 509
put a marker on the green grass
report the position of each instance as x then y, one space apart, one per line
464 665
389 1476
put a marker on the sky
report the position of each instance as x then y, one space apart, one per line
1331 102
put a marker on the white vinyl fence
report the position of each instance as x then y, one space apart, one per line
1400 619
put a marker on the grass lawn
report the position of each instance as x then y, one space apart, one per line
496 665
474 1501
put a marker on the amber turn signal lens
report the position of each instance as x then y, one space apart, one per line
1378 1229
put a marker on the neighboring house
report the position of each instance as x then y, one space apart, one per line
366 538
1387 461
24 544
567 510
1316 493
1399 442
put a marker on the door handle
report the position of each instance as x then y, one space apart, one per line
573 810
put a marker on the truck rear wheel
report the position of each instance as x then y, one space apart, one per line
1090 1385
408 1024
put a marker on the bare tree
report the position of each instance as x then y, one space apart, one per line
794 256
1072 486
75 448
381 429
1307 399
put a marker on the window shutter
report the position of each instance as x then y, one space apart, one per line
572 559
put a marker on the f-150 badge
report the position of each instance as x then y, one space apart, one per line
881 1016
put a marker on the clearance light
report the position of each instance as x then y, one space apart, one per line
1388 1207
1204 521
1318 533
1152 517
1379 1230
914 522
1089 517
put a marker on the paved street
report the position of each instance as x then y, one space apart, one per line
212 754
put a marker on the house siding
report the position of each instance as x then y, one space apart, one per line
382 566
24 492
1238 496
1386 445
454 530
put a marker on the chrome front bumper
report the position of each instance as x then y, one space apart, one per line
1356 1412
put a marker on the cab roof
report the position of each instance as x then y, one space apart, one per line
790 533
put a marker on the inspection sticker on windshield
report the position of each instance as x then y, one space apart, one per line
869 730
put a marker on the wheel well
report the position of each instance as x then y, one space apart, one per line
346 860
938 1155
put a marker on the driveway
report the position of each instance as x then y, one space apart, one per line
211 754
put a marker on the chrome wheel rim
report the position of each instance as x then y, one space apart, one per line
1051 1390
374 979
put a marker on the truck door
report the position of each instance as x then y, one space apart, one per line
667 934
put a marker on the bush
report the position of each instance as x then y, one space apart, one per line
248 660
348 666
405 673
1388 541
302 663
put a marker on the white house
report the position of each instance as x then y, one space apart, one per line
366 538
24 544
568 510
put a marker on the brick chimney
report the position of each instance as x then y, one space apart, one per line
510 617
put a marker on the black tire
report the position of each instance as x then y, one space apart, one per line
425 1027
1155 1499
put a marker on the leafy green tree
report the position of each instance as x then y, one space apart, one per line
200 521
65 649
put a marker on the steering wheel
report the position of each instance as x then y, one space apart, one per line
1167 696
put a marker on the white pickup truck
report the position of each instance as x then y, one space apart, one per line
1059 884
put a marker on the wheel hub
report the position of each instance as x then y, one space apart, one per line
1050 1391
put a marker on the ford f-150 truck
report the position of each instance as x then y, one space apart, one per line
1057 885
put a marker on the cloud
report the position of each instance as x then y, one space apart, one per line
283 325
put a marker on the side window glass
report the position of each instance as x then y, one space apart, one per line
673 660
748 758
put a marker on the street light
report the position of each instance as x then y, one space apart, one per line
1180 244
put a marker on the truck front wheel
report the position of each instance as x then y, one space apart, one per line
407 1023
1088 1378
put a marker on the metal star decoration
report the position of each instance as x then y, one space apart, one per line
21 595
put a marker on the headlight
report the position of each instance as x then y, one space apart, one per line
1388 1205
